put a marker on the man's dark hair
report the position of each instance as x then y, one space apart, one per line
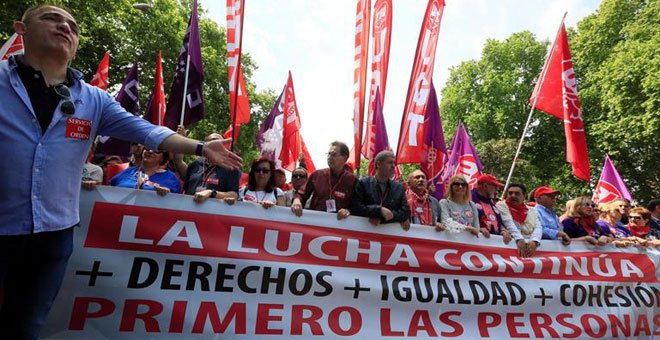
343 148
652 205
518 185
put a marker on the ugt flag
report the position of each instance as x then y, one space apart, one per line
239 106
269 137
434 150
409 147
556 93
463 158
381 142
610 185
190 61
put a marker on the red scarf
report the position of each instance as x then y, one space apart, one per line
587 223
518 211
639 231
415 202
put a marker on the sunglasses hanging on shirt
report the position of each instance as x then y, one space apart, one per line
67 107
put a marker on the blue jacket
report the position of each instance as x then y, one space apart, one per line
41 172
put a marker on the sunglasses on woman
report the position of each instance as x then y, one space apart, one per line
636 217
261 171
462 185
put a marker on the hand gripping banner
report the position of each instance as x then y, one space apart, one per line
155 267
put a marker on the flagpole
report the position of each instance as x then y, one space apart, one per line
236 82
185 85
544 71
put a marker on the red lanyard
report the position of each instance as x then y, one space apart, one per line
384 197
332 189
205 174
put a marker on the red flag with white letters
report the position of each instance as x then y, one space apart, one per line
100 78
380 56
411 135
556 94
363 14
239 105
291 140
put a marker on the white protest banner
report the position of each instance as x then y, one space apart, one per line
155 267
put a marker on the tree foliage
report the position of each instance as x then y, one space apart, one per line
130 34
617 62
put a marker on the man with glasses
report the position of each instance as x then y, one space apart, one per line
546 199
49 118
298 180
521 220
330 189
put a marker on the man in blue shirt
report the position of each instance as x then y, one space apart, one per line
546 199
49 118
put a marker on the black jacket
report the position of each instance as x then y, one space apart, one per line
367 198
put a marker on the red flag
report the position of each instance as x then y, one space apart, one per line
309 163
13 46
411 135
239 106
556 94
291 136
360 72
380 55
156 109
100 78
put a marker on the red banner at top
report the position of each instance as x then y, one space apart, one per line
556 94
380 56
410 143
360 72
240 112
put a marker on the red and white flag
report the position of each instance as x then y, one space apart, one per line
12 46
291 140
380 55
360 71
556 94
411 135
100 78
156 108
239 106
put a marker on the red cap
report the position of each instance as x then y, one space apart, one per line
486 178
545 191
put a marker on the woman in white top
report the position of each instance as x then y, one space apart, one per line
457 211
261 187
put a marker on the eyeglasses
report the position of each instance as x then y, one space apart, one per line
67 107
261 171
589 205
462 185
156 151
298 176
635 217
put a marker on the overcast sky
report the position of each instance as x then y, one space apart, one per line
315 40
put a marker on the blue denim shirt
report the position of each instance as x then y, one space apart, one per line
40 173
549 222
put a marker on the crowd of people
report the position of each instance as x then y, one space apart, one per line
522 217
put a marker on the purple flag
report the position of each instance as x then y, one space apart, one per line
381 142
269 137
610 185
434 151
129 100
463 158
194 109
